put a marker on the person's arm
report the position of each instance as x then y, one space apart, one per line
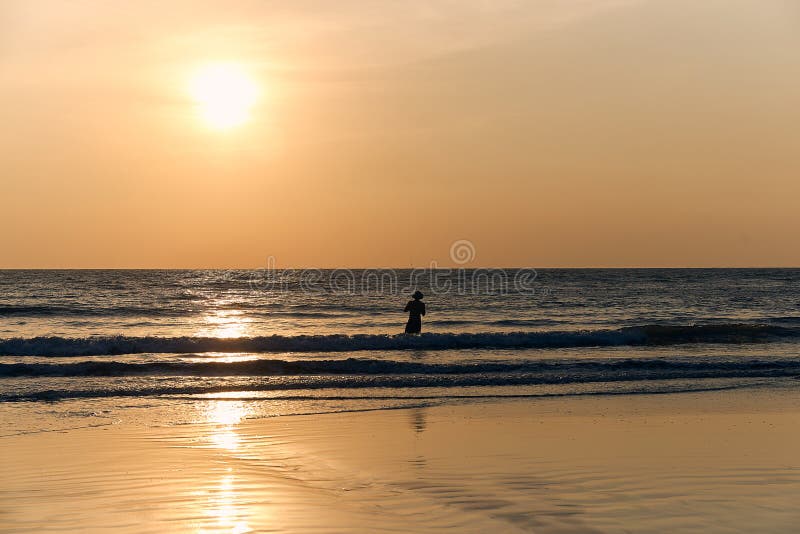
408 307
423 308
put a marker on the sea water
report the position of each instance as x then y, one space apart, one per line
91 347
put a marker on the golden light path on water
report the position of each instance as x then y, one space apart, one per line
226 414
225 509
225 324
224 504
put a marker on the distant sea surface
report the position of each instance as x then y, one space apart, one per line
81 348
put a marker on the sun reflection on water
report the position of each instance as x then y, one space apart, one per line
224 504
226 414
225 324
223 507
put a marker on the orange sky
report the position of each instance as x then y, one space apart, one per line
552 133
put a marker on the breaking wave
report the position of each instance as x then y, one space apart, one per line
647 335
556 370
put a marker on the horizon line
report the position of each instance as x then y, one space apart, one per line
724 267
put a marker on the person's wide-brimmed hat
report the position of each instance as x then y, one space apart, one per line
417 295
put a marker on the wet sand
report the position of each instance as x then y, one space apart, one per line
715 461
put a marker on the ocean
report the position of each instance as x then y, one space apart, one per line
98 347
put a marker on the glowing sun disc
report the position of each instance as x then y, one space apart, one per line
224 94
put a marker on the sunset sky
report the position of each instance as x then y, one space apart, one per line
356 133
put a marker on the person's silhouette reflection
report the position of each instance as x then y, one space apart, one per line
418 422
415 309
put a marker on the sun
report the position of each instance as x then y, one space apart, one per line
224 94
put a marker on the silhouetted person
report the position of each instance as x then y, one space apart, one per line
415 309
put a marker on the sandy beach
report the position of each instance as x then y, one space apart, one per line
714 461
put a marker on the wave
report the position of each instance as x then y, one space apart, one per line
499 322
78 310
647 335
454 391
12 310
561 370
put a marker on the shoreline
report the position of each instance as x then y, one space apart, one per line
714 460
